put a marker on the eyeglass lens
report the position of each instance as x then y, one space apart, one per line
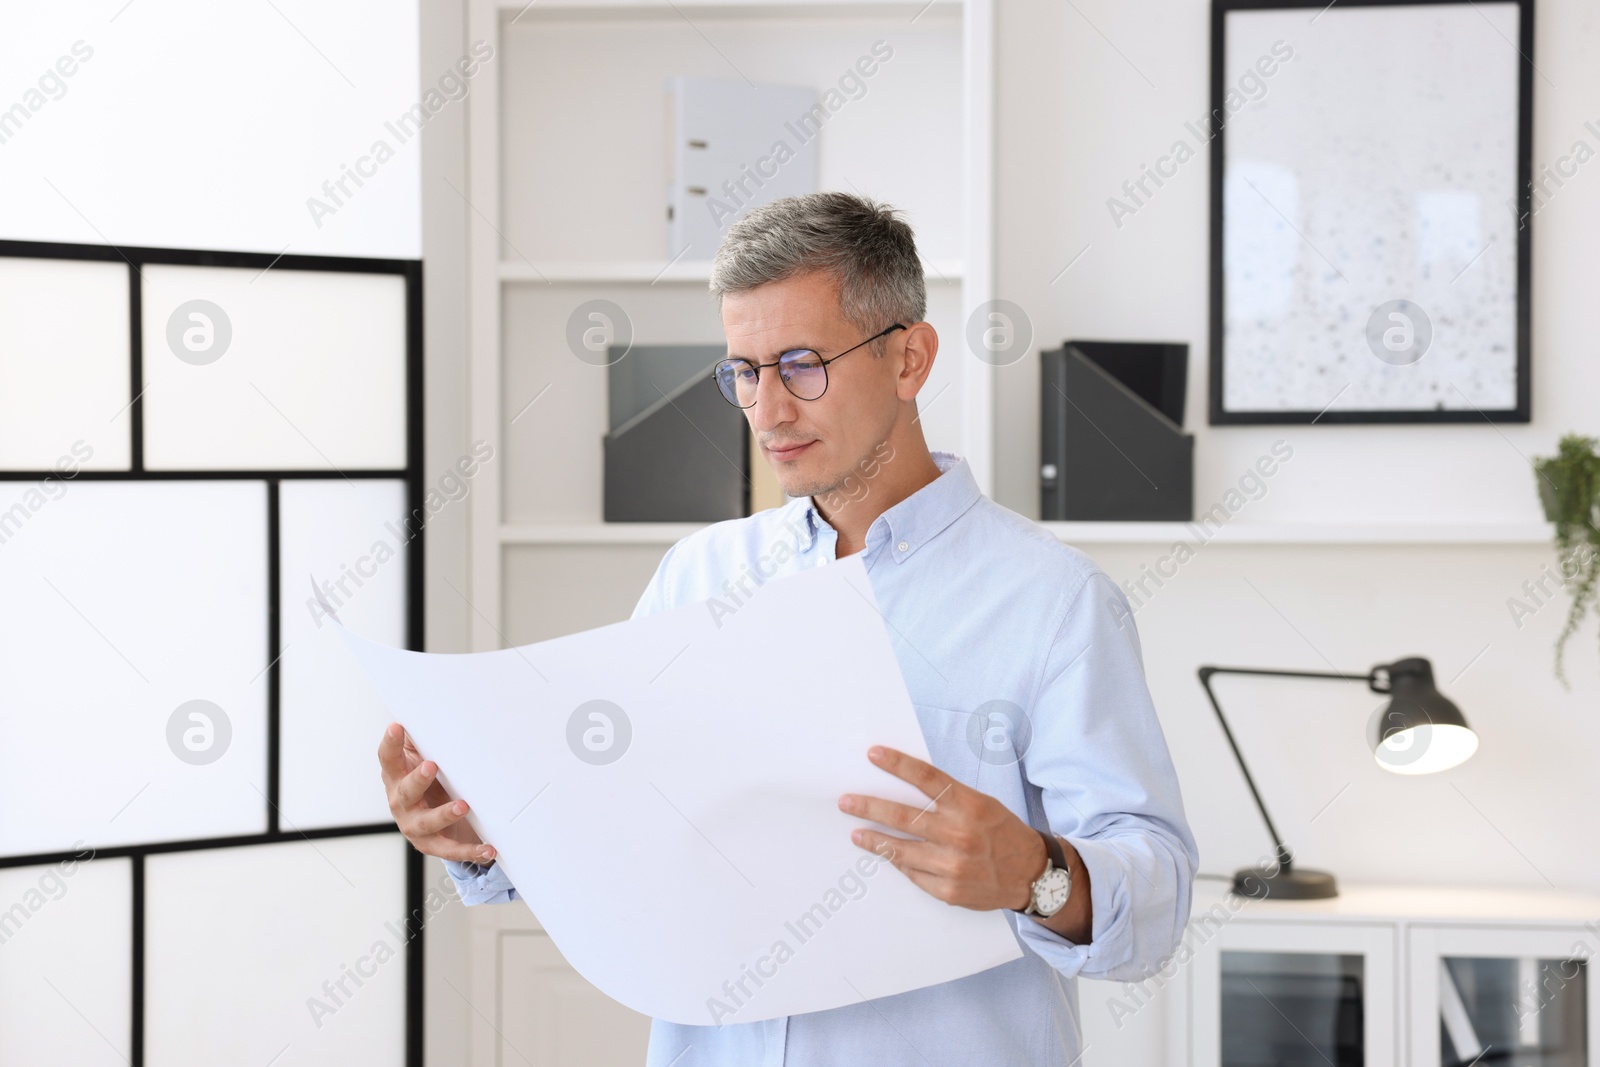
803 372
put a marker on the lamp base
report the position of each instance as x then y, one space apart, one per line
1285 883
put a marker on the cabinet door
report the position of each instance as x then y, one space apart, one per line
1283 994
551 1017
1503 994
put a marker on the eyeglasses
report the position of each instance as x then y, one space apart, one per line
803 372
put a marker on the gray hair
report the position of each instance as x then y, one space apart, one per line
866 246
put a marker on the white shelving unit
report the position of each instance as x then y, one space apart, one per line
563 201
565 204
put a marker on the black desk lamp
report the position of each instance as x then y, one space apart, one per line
1420 732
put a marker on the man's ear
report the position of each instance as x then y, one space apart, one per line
919 348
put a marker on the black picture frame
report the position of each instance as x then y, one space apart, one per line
411 474
1219 415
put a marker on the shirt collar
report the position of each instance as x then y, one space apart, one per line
914 521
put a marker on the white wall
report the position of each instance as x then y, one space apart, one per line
189 124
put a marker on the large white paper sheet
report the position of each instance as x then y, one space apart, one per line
663 794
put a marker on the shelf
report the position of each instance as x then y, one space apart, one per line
526 11
1104 533
1296 533
648 272
599 533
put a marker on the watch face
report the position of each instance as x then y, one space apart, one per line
1050 892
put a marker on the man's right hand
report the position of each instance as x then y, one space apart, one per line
423 811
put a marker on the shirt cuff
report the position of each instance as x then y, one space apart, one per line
478 884
1110 945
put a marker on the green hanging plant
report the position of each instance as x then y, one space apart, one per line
1569 489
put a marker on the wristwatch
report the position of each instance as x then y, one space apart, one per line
1052 888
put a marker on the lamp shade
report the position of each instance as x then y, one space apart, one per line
1420 731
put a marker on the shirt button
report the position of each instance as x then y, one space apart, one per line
902 546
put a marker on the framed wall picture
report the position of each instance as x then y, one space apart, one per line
1370 203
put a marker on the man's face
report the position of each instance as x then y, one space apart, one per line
856 413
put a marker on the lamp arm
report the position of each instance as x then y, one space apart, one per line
1285 857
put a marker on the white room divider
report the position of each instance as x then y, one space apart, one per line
199 452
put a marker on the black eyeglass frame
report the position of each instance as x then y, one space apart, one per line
757 367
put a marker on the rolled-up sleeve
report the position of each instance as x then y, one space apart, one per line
1106 782
479 884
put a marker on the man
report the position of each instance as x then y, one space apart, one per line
1046 750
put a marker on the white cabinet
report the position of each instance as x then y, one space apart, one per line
1422 976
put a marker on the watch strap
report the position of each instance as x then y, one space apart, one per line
1052 844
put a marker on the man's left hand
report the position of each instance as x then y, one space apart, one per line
974 852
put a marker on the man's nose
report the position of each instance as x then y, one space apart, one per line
774 404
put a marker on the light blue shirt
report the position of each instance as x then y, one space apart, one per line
987 611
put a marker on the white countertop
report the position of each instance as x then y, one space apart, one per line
1415 903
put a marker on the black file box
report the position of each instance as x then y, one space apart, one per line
1111 433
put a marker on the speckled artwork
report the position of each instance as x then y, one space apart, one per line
1370 228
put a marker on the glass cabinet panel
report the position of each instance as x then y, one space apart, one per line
1271 983
1285 1009
1524 1012
1517 994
